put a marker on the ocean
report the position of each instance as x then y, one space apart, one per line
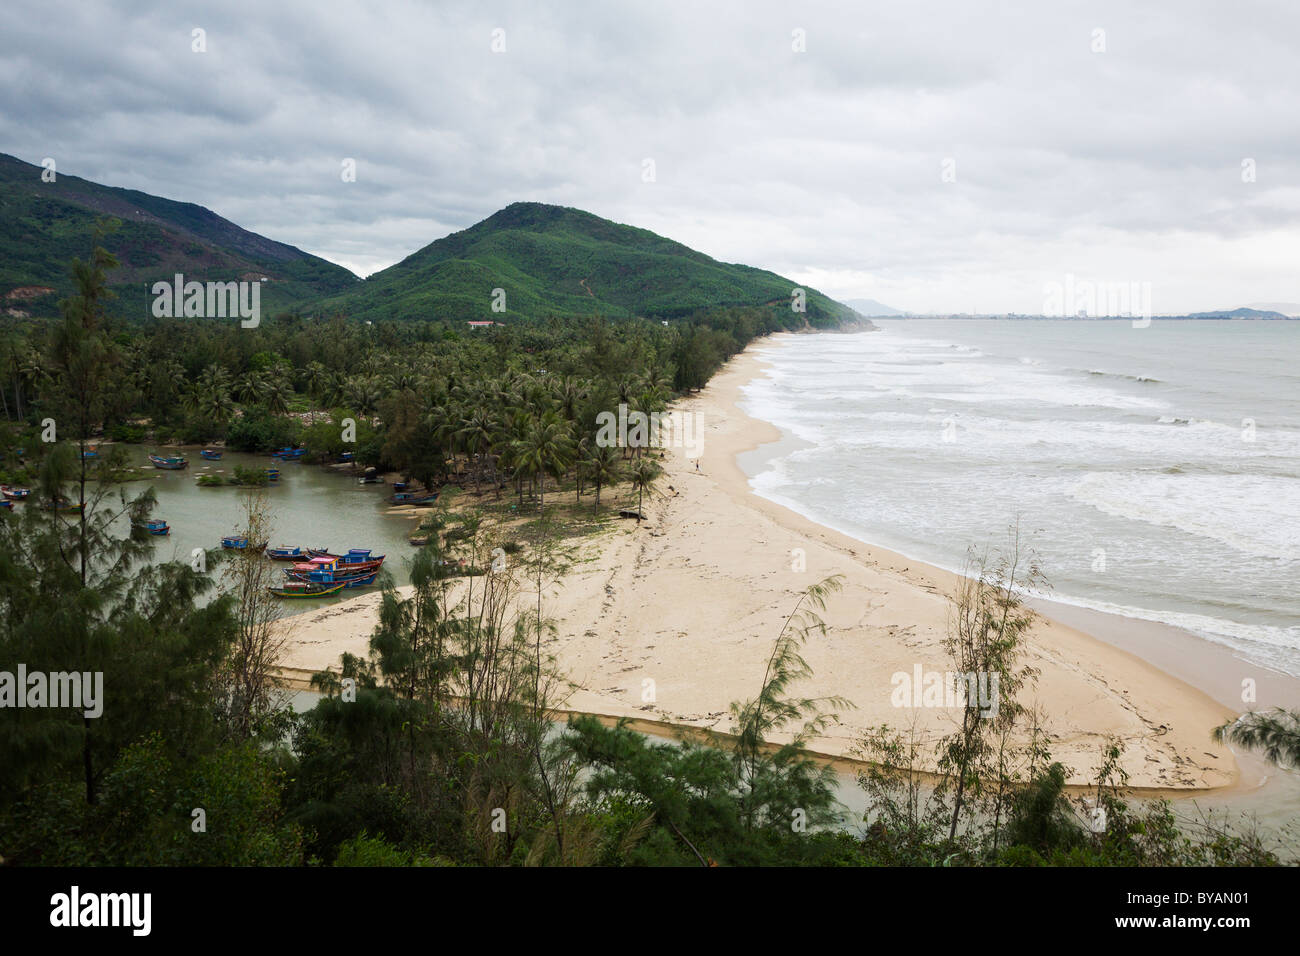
1154 471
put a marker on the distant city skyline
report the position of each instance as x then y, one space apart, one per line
936 158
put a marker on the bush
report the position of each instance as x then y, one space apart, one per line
259 431
132 434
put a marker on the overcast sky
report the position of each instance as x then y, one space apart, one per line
826 165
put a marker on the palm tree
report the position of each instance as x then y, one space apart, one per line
251 388
215 404
604 467
334 389
277 393
1275 733
644 473
364 393
476 435
547 449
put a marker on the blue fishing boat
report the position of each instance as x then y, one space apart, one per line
288 554
6 503
239 542
210 454
12 493
289 454
91 452
155 526
273 474
419 499
328 571
169 463
401 486
346 456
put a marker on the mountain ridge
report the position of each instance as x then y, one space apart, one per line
44 224
558 260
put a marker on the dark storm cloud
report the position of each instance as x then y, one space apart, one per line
825 164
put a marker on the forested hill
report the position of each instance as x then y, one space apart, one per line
44 224
554 260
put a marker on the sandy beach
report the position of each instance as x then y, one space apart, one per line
693 599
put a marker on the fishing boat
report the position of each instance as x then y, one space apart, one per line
91 452
62 506
273 474
155 526
418 499
371 477
345 457
12 493
305 589
210 454
239 542
354 558
6 503
170 463
289 454
401 486
288 554
328 571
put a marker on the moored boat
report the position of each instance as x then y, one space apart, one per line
328 571
273 474
288 554
12 493
63 506
169 463
210 454
305 589
353 558
155 526
414 498
239 542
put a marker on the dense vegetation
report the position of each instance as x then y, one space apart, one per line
552 260
45 224
439 747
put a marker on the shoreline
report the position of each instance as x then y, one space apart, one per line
1205 666
714 558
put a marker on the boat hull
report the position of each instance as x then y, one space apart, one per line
168 464
325 590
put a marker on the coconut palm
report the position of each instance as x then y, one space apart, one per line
251 388
604 467
277 393
364 393
1274 733
476 435
546 449
644 473
215 404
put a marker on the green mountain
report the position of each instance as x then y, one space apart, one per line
43 225
553 260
